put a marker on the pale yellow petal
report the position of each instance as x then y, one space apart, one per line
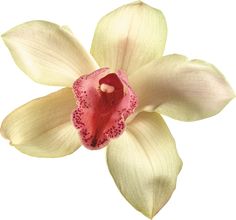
48 53
180 88
144 163
129 37
43 127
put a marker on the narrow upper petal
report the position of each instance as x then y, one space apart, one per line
180 88
48 53
43 127
144 163
129 37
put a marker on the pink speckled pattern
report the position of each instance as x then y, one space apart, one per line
101 116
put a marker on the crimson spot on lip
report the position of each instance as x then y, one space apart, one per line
104 101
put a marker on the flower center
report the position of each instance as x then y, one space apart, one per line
104 101
107 88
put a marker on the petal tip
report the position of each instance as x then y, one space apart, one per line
3 36
3 130
3 133
138 2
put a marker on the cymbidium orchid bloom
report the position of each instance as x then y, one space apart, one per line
113 98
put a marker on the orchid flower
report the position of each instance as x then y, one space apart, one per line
113 98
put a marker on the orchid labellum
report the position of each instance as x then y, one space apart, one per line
113 98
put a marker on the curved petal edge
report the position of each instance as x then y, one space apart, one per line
183 89
47 53
144 163
43 127
129 37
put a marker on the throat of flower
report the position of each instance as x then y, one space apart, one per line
107 88
104 101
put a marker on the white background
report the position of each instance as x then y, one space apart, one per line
79 186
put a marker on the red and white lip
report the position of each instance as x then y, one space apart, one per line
104 101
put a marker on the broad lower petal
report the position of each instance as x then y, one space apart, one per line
129 37
43 127
48 53
180 88
144 163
